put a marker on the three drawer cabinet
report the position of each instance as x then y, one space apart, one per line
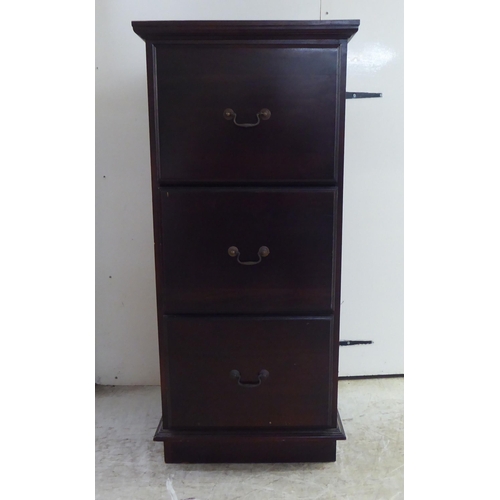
247 140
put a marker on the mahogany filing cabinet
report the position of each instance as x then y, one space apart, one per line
247 141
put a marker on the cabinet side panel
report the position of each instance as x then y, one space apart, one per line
154 154
337 264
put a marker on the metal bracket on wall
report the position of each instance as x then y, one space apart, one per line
361 95
355 342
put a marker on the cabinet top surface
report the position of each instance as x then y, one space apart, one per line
171 30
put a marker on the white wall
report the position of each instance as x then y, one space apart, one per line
372 257
126 332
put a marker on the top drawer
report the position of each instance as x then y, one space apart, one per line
205 93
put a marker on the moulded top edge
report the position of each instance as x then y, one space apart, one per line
171 30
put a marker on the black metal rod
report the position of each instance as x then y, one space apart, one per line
355 342
361 95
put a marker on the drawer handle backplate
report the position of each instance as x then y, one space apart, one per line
263 374
234 252
263 114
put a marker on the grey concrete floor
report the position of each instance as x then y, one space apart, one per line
369 466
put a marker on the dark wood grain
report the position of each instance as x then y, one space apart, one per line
199 225
242 446
171 31
298 85
203 351
254 189
337 266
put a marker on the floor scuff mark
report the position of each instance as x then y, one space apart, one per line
172 493
170 489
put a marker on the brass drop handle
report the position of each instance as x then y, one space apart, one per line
234 252
263 114
263 374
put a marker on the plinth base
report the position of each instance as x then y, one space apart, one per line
250 446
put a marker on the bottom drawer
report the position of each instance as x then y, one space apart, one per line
248 372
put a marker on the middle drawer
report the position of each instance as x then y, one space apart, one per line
231 251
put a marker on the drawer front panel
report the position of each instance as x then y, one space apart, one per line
199 227
204 391
297 141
